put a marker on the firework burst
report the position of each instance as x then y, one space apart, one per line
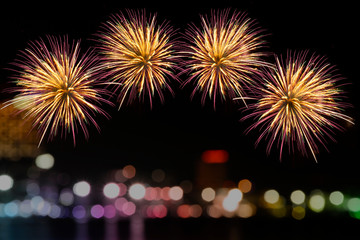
298 103
56 88
224 54
139 55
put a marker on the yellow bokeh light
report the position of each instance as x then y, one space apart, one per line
317 202
298 212
271 196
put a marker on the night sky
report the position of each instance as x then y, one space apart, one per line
172 135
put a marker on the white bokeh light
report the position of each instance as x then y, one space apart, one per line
45 161
111 190
176 193
137 191
81 189
6 182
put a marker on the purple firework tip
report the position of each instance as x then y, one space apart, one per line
224 54
57 88
139 55
298 104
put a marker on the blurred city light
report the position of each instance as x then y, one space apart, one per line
129 171
245 185
11 209
235 194
156 211
6 182
215 156
195 210
214 211
81 189
317 201
129 208
164 193
25 209
158 175
97 211
297 197
66 197
45 161
246 210
137 191
298 212
208 194
111 190
176 193
336 198
354 204
271 196
32 189
55 211
186 186
183 211
109 211
231 201
79 212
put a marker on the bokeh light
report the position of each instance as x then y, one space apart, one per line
317 201
271 196
215 156
79 212
111 190
45 161
137 191
66 197
159 211
158 175
298 212
55 211
6 182
186 186
336 198
235 194
32 188
195 211
246 210
97 211
176 193
354 204
164 193
245 185
208 194
129 171
297 197
25 209
81 189
129 208
183 211
214 211
231 201
109 211
11 209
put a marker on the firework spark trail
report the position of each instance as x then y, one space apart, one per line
139 55
57 88
224 54
298 103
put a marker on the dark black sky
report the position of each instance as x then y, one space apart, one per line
172 135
